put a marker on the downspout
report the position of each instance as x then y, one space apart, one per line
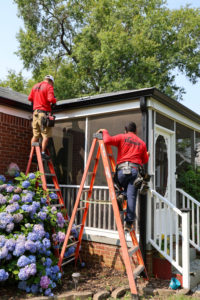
143 198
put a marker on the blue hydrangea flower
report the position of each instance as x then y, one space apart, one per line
10 244
46 242
30 246
9 256
32 236
22 285
55 269
2 240
12 208
47 292
53 196
3 252
3 178
19 249
31 176
25 184
3 199
39 230
48 262
34 288
23 274
3 275
43 200
16 197
42 215
32 259
23 261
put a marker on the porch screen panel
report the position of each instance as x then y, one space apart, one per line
184 148
115 124
164 121
197 149
67 150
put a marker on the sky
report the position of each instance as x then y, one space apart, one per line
10 24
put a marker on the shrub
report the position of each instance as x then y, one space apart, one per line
26 239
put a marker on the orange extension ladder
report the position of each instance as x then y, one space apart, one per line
130 256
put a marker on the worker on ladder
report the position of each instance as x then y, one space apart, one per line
42 97
132 154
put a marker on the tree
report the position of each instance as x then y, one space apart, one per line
97 46
16 82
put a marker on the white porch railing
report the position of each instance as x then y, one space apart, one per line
169 233
184 200
100 213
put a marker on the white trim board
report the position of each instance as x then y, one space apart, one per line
15 112
100 109
172 114
104 236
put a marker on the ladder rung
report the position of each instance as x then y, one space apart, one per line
90 173
49 174
133 250
57 205
97 202
74 243
68 261
81 208
87 190
54 190
138 270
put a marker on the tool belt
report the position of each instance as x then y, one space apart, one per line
48 120
126 167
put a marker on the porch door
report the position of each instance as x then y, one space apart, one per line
165 166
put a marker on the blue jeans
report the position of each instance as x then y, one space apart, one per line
130 191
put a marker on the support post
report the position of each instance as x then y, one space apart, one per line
186 248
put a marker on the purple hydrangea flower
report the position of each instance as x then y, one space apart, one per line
17 218
9 256
3 275
10 189
28 198
10 227
25 184
43 200
44 282
3 187
32 259
3 199
23 274
12 208
31 176
2 240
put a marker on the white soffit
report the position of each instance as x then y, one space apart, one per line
100 109
15 112
172 114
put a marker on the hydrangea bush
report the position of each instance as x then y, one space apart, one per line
30 229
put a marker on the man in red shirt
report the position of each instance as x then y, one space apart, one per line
42 97
132 153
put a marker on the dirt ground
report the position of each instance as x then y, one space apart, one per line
92 278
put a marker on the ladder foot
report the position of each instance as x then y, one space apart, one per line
134 296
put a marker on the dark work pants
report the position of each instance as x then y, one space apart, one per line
130 191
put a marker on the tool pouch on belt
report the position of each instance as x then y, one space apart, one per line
48 120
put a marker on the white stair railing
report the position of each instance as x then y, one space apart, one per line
184 200
169 233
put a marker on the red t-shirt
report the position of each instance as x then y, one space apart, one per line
42 95
130 147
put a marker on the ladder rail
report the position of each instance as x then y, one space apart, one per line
77 203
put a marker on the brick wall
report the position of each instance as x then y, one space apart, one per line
15 137
103 255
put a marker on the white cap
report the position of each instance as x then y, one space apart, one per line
49 77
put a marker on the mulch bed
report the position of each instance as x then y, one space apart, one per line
92 278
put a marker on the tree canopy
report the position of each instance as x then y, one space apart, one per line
96 46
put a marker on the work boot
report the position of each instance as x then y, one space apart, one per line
128 226
45 156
